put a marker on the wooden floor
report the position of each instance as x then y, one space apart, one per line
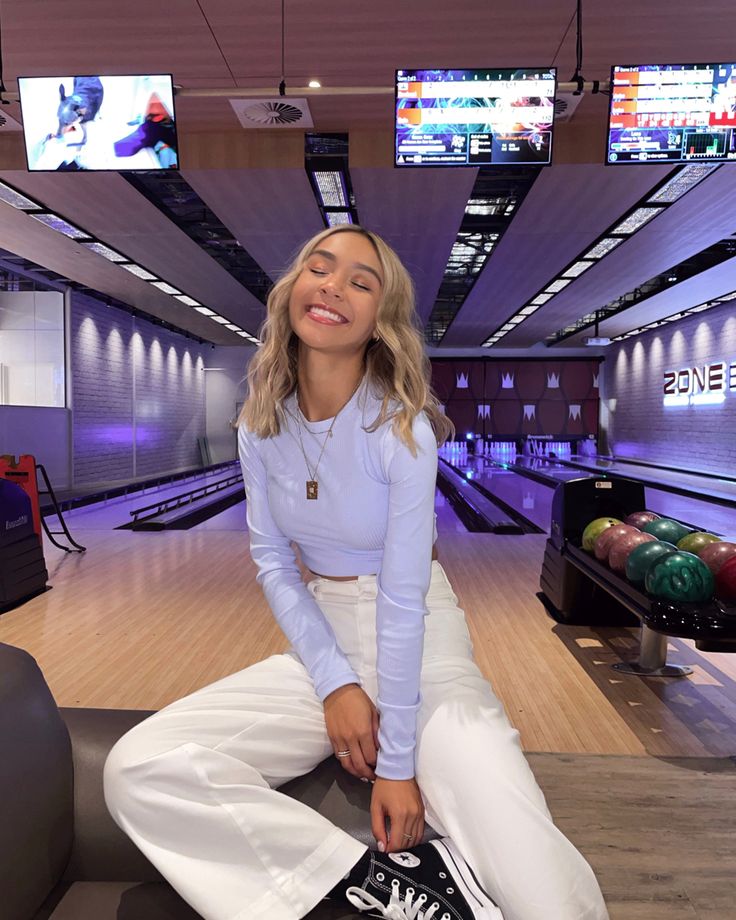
142 619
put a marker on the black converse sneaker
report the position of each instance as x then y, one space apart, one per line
430 882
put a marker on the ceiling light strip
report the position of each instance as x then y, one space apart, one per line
707 305
60 225
652 205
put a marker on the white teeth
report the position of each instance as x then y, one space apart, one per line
320 312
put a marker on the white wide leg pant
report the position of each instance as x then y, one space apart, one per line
195 786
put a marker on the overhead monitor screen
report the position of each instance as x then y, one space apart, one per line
99 123
672 113
474 117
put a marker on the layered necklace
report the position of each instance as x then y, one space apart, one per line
312 483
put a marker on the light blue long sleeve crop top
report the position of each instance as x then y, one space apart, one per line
374 515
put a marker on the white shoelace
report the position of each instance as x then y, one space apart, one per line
397 909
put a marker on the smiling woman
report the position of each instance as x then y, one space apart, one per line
338 446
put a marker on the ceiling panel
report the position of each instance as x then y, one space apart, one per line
271 212
716 281
106 206
21 235
700 218
567 207
217 45
418 212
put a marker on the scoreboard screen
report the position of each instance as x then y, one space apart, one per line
474 117
672 113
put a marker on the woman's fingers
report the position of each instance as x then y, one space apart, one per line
358 762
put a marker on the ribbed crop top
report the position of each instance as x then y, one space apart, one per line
374 515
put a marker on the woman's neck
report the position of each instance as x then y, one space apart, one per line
327 383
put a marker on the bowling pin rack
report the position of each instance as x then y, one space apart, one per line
578 589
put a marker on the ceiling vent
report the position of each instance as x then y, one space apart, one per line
272 113
565 106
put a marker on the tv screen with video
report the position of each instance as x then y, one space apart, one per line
474 117
99 122
672 113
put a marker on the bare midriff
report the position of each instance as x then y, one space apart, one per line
354 577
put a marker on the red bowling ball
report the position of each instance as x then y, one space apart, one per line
639 518
602 545
714 555
726 582
622 547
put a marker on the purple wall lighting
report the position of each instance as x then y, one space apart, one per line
138 396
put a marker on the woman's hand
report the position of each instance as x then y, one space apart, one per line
352 725
400 801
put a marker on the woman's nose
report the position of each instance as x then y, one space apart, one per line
331 289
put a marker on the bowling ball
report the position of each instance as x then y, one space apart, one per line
726 582
639 518
681 577
714 555
623 546
643 557
666 529
603 542
695 541
594 529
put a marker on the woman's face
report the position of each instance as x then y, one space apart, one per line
334 301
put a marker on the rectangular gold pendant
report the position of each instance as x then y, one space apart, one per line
312 488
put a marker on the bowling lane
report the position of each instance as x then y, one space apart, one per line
113 512
527 484
719 489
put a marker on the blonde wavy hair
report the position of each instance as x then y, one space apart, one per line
396 365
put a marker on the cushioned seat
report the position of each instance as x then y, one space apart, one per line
68 860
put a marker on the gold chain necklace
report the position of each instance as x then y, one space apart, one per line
312 484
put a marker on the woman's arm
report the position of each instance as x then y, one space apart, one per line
403 583
296 611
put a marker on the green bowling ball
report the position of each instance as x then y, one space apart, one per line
666 529
694 542
644 557
680 577
595 529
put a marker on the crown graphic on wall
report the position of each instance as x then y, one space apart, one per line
507 381
529 412
484 410
575 412
553 380
462 381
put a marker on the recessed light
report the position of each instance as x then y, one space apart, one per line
603 247
220 319
557 285
10 196
205 311
189 301
60 225
165 287
138 271
636 220
331 188
233 327
105 252
315 84
576 269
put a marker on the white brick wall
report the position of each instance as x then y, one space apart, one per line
641 426
138 398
